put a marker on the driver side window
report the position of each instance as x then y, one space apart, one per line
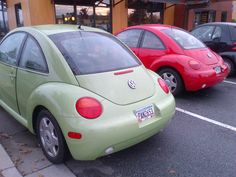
9 48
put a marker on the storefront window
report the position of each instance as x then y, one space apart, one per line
95 14
19 15
64 14
224 16
204 17
145 13
3 19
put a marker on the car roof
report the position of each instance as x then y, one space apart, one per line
219 23
153 26
55 29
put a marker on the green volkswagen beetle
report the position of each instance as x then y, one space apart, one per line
80 90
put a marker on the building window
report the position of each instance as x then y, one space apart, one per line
3 19
19 15
224 16
204 17
140 12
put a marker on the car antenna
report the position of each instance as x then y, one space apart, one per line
79 26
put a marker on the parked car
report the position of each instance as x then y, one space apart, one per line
80 90
221 38
178 57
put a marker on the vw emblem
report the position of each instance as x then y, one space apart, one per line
209 55
132 84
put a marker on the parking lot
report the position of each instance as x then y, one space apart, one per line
199 142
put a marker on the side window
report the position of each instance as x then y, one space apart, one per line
130 37
217 33
32 57
151 41
204 33
10 47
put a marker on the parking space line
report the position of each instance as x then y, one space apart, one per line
229 82
207 119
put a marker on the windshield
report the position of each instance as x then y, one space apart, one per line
91 52
184 39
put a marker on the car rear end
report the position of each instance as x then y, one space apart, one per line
204 68
123 103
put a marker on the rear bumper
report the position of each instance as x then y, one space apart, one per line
202 79
118 128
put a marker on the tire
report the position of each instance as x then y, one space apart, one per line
173 80
50 137
230 65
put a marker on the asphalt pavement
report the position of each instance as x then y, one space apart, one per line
200 141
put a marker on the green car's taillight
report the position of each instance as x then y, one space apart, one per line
163 85
89 108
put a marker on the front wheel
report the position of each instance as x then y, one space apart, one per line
172 79
51 138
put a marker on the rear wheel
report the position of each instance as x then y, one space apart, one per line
51 138
172 79
230 65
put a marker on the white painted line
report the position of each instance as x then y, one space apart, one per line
229 82
207 119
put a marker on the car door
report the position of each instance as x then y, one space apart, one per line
32 72
131 38
9 52
205 33
151 48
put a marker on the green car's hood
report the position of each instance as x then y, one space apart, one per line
115 87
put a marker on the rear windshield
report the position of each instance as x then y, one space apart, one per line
91 52
184 39
233 33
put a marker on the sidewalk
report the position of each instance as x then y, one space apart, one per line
8 169
20 154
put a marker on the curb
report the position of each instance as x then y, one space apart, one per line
8 169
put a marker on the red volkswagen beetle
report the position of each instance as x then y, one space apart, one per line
178 57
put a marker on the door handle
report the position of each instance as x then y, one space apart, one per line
12 75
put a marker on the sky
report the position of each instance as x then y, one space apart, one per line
62 9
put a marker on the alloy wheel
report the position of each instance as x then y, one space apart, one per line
49 137
170 80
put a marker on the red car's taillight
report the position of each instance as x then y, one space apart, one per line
89 108
163 85
194 64
234 46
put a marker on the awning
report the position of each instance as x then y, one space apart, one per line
186 2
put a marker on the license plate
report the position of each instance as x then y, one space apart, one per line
217 69
145 113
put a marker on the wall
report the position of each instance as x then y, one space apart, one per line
42 12
35 12
219 7
119 16
180 16
12 14
169 14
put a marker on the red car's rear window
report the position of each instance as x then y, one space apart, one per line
184 39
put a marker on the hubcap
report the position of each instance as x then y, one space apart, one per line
48 137
170 80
